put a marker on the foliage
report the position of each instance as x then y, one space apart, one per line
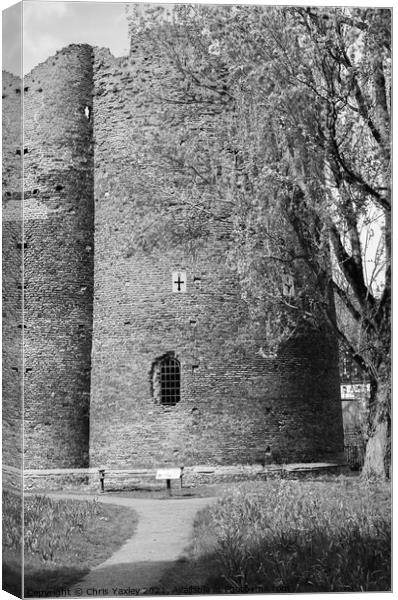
277 121
62 539
282 115
290 536
12 521
12 542
50 525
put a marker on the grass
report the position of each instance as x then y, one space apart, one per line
160 492
291 536
12 542
63 540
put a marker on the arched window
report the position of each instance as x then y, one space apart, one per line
166 378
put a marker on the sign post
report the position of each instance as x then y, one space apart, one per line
168 475
102 478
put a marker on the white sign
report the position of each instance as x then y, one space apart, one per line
355 391
174 473
179 281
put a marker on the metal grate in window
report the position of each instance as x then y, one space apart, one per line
169 381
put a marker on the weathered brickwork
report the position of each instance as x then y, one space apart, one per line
12 271
58 258
235 406
12 309
112 313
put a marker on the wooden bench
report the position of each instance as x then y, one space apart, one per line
164 474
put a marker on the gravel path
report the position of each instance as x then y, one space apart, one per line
163 532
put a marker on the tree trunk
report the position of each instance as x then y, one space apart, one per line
378 447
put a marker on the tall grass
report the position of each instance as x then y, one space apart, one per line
12 522
51 525
12 542
63 540
289 536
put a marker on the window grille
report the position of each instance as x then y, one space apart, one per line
166 380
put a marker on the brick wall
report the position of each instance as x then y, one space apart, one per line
58 258
236 407
12 271
12 331
111 314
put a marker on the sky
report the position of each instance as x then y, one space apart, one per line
50 26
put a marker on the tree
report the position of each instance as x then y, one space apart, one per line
282 115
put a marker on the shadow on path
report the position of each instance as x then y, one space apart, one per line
125 579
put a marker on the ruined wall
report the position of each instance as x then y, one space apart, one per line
12 252
236 407
58 258
12 305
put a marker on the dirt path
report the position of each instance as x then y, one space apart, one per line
163 532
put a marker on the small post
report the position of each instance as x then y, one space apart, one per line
102 478
168 485
181 475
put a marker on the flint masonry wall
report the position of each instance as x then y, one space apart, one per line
12 270
12 332
236 407
58 258
111 313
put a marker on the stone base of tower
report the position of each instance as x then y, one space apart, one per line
87 480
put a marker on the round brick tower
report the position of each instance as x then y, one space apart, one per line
12 270
58 253
177 373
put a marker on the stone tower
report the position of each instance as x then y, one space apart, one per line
177 376
141 355
58 258
12 252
